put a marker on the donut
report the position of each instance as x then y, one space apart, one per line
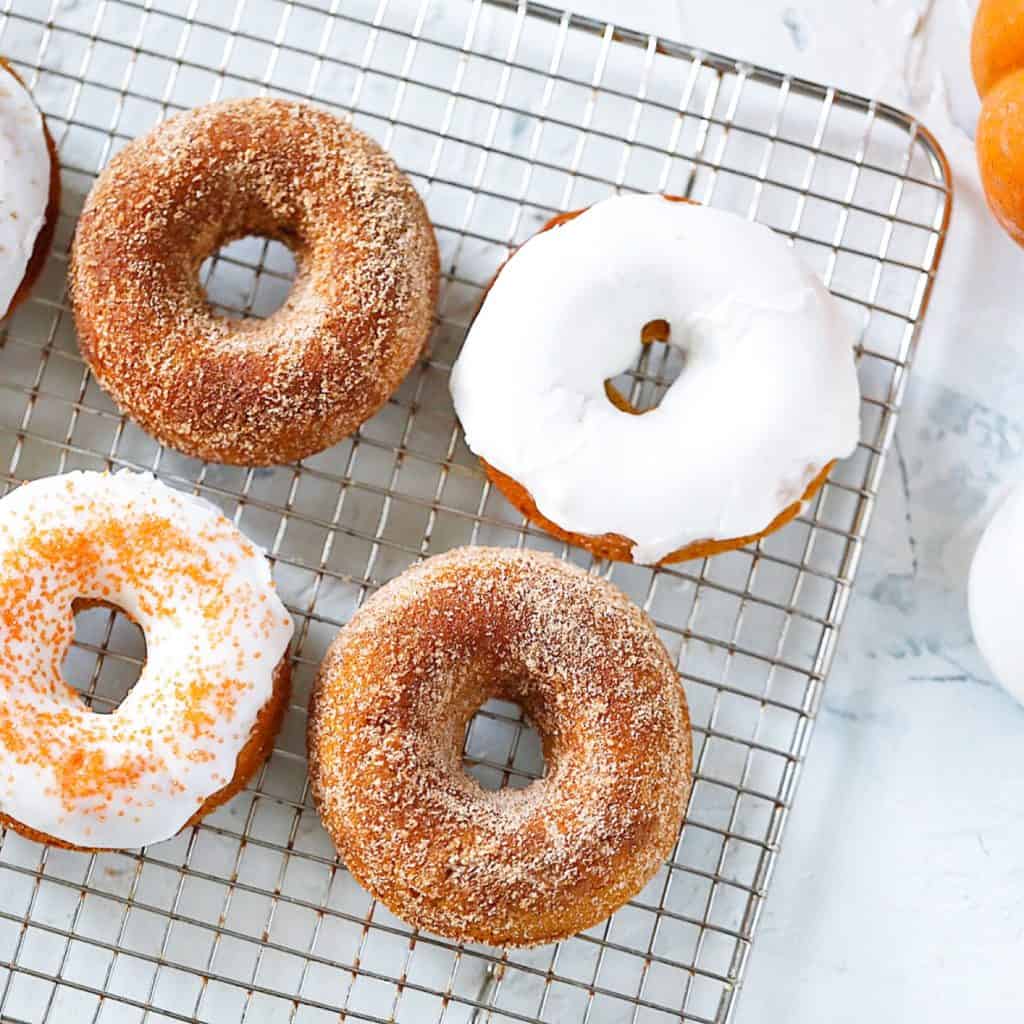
995 593
253 392
997 42
997 63
204 712
388 715
29 192
767 400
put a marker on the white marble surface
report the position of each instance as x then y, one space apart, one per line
900 894
900 890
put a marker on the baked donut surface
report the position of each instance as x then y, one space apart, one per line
204 712
253 392
766 401
617 548
388 716
29 193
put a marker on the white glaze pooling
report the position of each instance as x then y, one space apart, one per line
767 397
215 632
24 182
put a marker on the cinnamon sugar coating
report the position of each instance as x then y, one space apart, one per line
389 712
253 392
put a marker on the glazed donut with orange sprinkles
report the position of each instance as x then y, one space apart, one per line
203 714
29 190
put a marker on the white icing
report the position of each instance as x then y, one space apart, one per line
24 183
995 593
215 632
768 394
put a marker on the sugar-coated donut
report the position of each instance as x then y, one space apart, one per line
767 400
253 392
387 720
29 190
203 714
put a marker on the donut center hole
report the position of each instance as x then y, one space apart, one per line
642 387
249 278
105 658
502 750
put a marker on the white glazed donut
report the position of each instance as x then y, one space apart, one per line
767 399
216 635
995 593
29 189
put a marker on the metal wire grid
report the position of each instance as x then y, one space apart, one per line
503 113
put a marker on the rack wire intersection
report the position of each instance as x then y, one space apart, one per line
503 113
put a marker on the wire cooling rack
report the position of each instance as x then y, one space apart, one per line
503 113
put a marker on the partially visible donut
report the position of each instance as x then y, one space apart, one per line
767 400
997 63
997 42
995 593
204 712
253 392
387 720
29 190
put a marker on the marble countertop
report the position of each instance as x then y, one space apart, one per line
900 894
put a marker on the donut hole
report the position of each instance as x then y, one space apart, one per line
502 749
642 387
248 278
105 658
654 330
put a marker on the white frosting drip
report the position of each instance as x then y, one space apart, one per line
995 593
24 183
215 632
767 397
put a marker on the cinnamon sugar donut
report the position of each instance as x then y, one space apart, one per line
29 190
253 392
766 401
204 712
388 716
